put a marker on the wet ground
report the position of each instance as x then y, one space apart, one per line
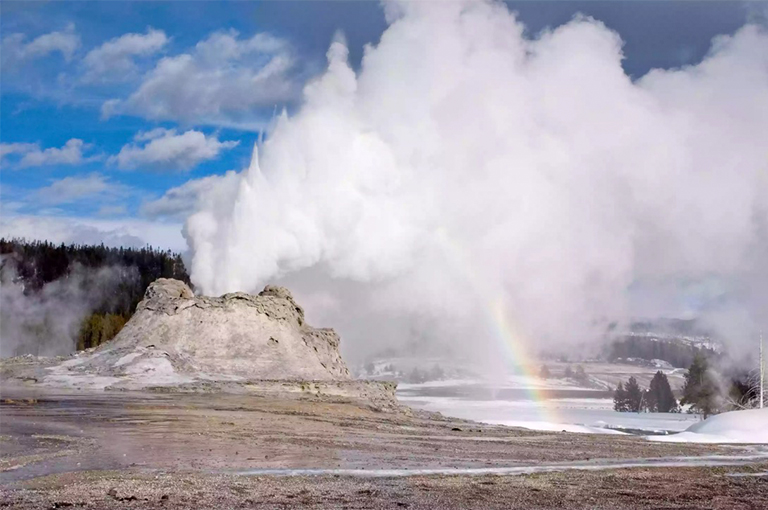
111 449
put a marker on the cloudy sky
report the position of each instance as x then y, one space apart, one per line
109 108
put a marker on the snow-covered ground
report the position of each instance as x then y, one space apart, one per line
750 426
541 405
599 375
554 405
520 382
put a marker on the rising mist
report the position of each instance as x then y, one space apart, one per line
470 165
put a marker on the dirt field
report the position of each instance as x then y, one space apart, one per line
234 451
624 489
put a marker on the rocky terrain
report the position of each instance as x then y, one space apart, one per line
177 341
203 450
236 402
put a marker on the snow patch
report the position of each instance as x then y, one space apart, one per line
558 427
749 426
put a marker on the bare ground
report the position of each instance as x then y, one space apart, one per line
182 451
621 489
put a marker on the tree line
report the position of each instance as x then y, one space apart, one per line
117 276
579 374
675 352
658 398
706 391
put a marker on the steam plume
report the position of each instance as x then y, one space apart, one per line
46 323
468 162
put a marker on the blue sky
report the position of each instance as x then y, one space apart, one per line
105 106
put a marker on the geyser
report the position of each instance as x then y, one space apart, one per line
469 163
238 342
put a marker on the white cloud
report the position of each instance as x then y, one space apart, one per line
6 149
122 232
165 149
114 60
30 67
65 42
74 188
143 136
31 154
220 79
181 201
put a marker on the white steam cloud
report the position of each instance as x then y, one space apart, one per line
47 322
468 164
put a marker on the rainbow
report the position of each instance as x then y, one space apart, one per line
513 345
511 342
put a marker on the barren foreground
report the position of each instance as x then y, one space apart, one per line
226 451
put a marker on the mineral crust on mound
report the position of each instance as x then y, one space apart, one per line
235 335
181 342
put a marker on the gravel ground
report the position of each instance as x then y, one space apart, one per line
616 489
189 451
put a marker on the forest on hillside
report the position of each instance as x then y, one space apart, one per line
56 298
675 351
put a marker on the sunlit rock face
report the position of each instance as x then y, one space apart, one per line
235 336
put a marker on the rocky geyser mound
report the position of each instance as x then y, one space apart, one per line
181 341
239 335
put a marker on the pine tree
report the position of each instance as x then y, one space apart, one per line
544 372
620 403
581 376
660 398
437 373
634 396
652 395
568 372
700 390
416 377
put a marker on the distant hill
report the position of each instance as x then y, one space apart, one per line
688 329
675 341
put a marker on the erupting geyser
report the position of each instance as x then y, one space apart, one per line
470 162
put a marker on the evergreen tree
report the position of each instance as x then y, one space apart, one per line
620 403
581 375
634 396
544 372
700 390
437 373
416 376
659 397
568 372
651 397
